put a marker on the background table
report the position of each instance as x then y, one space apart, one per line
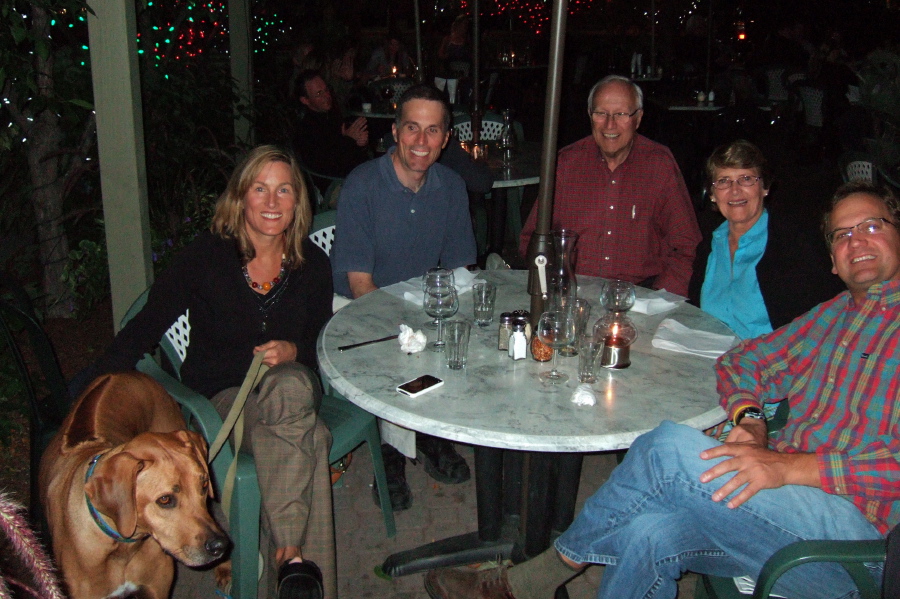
496 402
524 169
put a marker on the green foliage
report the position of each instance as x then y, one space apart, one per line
87 273
13 395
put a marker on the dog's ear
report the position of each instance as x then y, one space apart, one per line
112 490
196 444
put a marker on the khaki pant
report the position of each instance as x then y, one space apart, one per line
290 446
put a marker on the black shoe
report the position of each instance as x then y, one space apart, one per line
395 471
300 580
442 463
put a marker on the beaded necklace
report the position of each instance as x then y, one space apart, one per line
266 286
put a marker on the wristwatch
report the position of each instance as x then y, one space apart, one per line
749 412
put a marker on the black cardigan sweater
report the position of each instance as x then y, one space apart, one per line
226 315
794 272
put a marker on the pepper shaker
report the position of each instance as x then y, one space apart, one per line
504 330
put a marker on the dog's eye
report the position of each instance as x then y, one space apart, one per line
167 501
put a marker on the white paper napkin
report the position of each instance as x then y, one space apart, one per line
411 341
657 302
674 336
584 395
411 290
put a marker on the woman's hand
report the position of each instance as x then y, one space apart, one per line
277 352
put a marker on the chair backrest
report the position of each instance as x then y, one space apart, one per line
859 170
812 105
491 127
777 92
322 230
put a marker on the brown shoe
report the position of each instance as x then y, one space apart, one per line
462 584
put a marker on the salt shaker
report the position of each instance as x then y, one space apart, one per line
518 344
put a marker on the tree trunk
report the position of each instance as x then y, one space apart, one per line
48 181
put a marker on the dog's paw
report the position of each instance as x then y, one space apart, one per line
223 576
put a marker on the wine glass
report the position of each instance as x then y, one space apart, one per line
440 302
435 277
556 330
618 296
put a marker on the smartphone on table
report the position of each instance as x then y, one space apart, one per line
420 385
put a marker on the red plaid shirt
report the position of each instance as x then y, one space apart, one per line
838 367
633 223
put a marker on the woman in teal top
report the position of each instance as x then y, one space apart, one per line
760 269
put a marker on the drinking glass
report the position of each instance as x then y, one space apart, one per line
588 348
434 277
581 311
483 297
440 302
618 296
556 330
457 343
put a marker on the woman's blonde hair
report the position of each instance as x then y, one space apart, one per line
228 219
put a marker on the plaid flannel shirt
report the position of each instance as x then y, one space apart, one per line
838 367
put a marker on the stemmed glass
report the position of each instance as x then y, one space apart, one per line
618 296
440 302
556 330
436 276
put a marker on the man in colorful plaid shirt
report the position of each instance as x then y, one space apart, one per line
684 501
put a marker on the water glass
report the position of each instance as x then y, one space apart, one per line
483 296
457 340
581 311
588 348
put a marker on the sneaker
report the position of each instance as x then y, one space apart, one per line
300 580
395 471
442 462
462 584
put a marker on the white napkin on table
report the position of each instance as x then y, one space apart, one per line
411 290
411 341
657 303
584 395
674 336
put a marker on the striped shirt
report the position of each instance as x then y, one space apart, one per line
838 367
634 223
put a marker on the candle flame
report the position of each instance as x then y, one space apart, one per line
394 70
615 330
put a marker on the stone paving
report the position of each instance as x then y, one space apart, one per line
438 511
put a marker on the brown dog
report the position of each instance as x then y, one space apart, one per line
123 454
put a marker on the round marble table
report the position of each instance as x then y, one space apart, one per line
498 402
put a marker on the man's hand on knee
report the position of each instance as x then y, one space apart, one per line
757 468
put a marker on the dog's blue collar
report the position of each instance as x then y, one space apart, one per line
98 518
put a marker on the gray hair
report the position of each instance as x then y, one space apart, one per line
638 93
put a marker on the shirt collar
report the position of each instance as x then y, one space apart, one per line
387 170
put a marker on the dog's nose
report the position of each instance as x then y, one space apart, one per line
216 545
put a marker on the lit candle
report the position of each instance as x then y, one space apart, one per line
613 339
394 71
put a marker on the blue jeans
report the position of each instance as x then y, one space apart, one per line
654 519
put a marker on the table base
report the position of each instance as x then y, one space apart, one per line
511 524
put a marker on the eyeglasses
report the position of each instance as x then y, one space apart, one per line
618 117
870 226
743 181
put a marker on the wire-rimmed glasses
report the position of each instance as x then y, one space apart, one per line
600 116
743 181
870 226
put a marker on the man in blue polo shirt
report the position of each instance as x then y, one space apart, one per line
398 216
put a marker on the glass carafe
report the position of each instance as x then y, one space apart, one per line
563 285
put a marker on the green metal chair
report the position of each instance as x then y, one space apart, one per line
852 555
24 334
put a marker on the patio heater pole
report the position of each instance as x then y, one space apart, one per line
476 73
540 244
653 37
709 37
420 68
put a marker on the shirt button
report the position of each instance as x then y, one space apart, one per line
610 207
606 257
613 181
609 232
413 211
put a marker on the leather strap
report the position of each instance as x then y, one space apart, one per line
235 421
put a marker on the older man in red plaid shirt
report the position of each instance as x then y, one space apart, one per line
625 196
